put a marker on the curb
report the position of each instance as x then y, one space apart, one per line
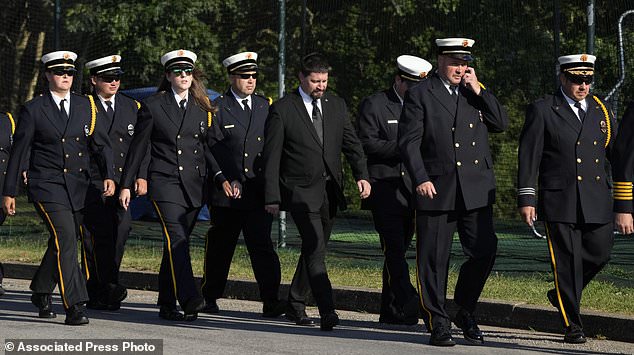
490 312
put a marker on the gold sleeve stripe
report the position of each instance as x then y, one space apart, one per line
12 122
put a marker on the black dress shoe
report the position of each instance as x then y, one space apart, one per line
44 303
273 309
441 335
170 313
552 298
300 319
465 321
194 305
76 315
116 293
211 307
329 321
574 335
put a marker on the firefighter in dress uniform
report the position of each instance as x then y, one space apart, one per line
390 201
174 123
563 179
56 133
7 128
107 224
236 189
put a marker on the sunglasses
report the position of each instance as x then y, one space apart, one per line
178 71
62 72
110 78
247 76
576 79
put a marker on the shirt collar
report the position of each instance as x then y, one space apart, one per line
235 96
307 98
178 98
103 101
58 99
397 95
448 85
572 102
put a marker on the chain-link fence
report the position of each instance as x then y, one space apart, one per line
517 43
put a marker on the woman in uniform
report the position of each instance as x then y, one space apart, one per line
174 122
7 127
56 133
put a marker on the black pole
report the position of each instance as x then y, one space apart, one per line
590 34
556 35
304 28
58 13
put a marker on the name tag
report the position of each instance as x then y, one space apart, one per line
229 126
392 121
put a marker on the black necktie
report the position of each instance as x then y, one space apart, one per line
109 110
63 110
318 121
182 106
454 92
247 109
582 113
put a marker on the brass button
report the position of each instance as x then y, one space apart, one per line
595 142
67 156
80 154
598 178
578 142
475 161
80 170
457 145
453 129
63 140
459 163
77 139
259 154
470 125
180 168
178 136
402 173
196 135
195 151
578 160
122 155
65 170
180 152
259 138
473 144
120 169
120 139
246 170
246 154
579 178
596 161
196 167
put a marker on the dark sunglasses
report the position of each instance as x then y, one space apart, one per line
62 72
247 76
580 79
110 78
178 71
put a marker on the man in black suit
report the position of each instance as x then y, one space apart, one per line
107 224
56 133
305 134
443 138
564 146
390 201
236 189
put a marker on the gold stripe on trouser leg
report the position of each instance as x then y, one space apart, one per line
83 254
62 289
552 259
169 247
418 278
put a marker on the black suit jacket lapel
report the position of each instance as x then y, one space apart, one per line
171 109
393 103
48 108
235 110
440 92
301 110
563 110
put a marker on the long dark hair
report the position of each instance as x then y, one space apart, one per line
197 90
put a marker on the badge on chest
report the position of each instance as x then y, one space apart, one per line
131 129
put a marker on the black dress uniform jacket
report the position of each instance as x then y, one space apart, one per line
237 142
7 127
120 132
173 175
59 151
451 153
296 164
566 160
379 115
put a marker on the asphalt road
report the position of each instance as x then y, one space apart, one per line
239 329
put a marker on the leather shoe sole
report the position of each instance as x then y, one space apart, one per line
300 320
211 308
170 314
274 309
329 321
194 305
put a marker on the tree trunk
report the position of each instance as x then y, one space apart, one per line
39 48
